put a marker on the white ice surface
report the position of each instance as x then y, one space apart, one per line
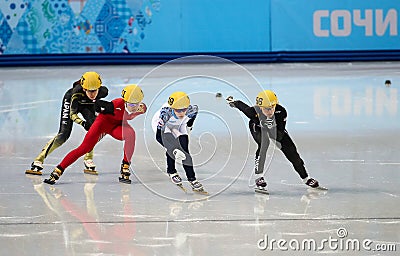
343 119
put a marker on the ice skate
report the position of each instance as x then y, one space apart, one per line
90 167
261 186
197 187
54 176
176 179
125 173
36 168
230 101
313 183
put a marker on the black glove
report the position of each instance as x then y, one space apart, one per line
190 122
105 107
86 125
230 102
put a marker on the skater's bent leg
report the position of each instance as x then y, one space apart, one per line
262 139
190 174
290 151
188 162
255 132
88 143
130 141
184 143
63 134
64 130
170 164
170 143
128 135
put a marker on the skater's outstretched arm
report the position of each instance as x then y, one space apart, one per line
192 114
165 115
250 112
263 147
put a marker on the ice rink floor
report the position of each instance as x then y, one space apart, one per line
342 117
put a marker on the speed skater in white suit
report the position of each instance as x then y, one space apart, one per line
173 125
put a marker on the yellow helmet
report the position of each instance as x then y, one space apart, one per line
90 81
132 93
178 100
266 99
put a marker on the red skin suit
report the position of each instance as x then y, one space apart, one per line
115 125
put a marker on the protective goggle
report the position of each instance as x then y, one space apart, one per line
180 110
269 108
132 105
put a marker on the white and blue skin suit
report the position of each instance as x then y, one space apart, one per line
172 133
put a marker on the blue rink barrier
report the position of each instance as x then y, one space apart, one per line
159 58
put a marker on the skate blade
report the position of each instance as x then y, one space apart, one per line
320 188
33 172
181 187
201 192
261 191
48 181
91 172
126 181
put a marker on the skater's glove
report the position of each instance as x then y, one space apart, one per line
86 125
105 107
142 108
230 102
190 123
